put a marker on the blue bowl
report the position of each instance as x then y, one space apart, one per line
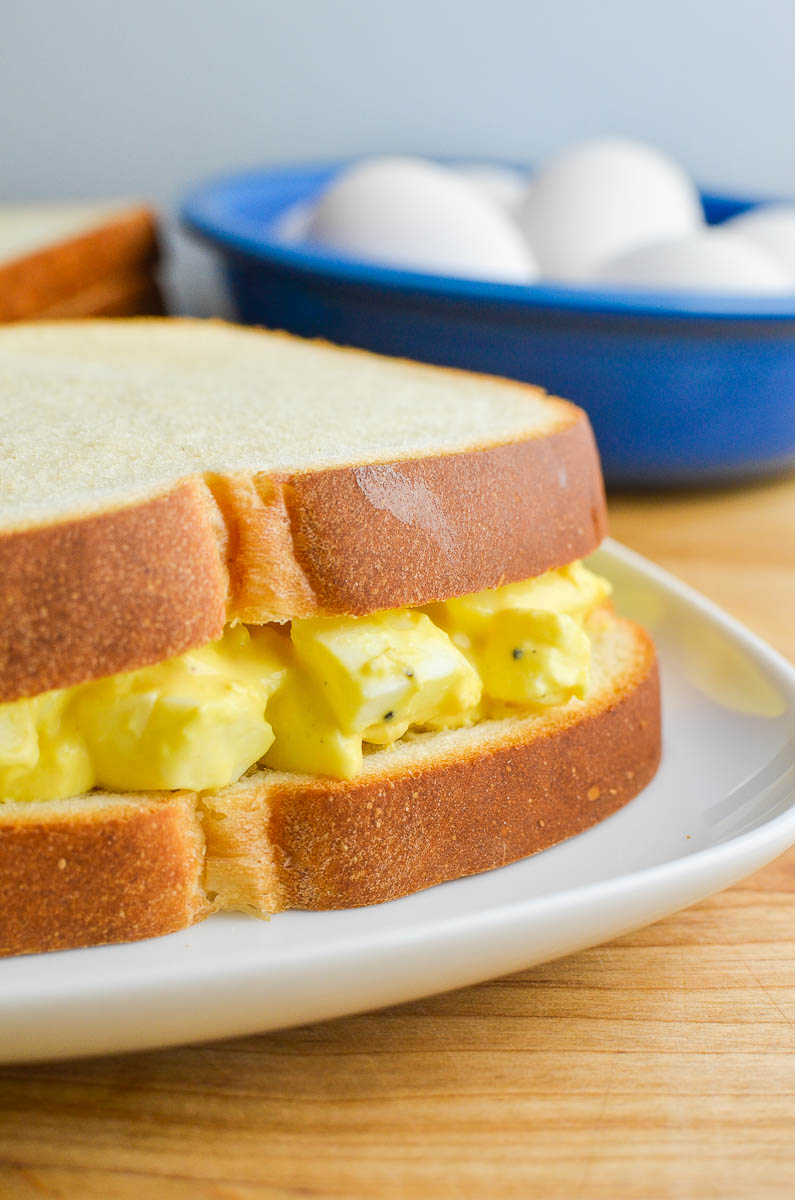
681 388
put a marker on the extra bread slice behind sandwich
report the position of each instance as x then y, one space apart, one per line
104 867
50 254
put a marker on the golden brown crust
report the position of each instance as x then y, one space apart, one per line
38 281
407 533
113 870
325 844
265 580
132 294
108 593
469 816
357 539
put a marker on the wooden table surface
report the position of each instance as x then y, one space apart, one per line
660 1065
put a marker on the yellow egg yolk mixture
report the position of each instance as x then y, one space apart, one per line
305 697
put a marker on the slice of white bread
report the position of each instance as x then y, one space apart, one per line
104 868
51 252
158 478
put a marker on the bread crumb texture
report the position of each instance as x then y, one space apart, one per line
110 411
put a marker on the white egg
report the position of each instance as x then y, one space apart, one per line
506 186
711 261
416 214
772 228
602 198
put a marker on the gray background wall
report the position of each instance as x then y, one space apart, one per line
100 97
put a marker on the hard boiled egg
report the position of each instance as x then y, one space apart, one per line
771 227
416 214
712 261
603 198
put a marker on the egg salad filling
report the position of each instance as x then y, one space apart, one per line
307 697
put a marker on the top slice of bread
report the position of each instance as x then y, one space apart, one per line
50 252
109 412
160 477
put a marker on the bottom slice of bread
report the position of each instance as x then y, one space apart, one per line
99 868
436 806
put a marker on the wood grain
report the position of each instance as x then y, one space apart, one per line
661 1065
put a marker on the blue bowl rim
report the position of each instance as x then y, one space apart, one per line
205 210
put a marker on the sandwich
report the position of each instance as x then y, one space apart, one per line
78 259
284 625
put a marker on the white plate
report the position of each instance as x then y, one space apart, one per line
721 806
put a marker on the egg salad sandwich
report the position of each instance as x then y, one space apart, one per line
289 626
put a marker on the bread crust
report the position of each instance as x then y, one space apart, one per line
42 279
99 869
108 593
408 533
132 294
278 843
